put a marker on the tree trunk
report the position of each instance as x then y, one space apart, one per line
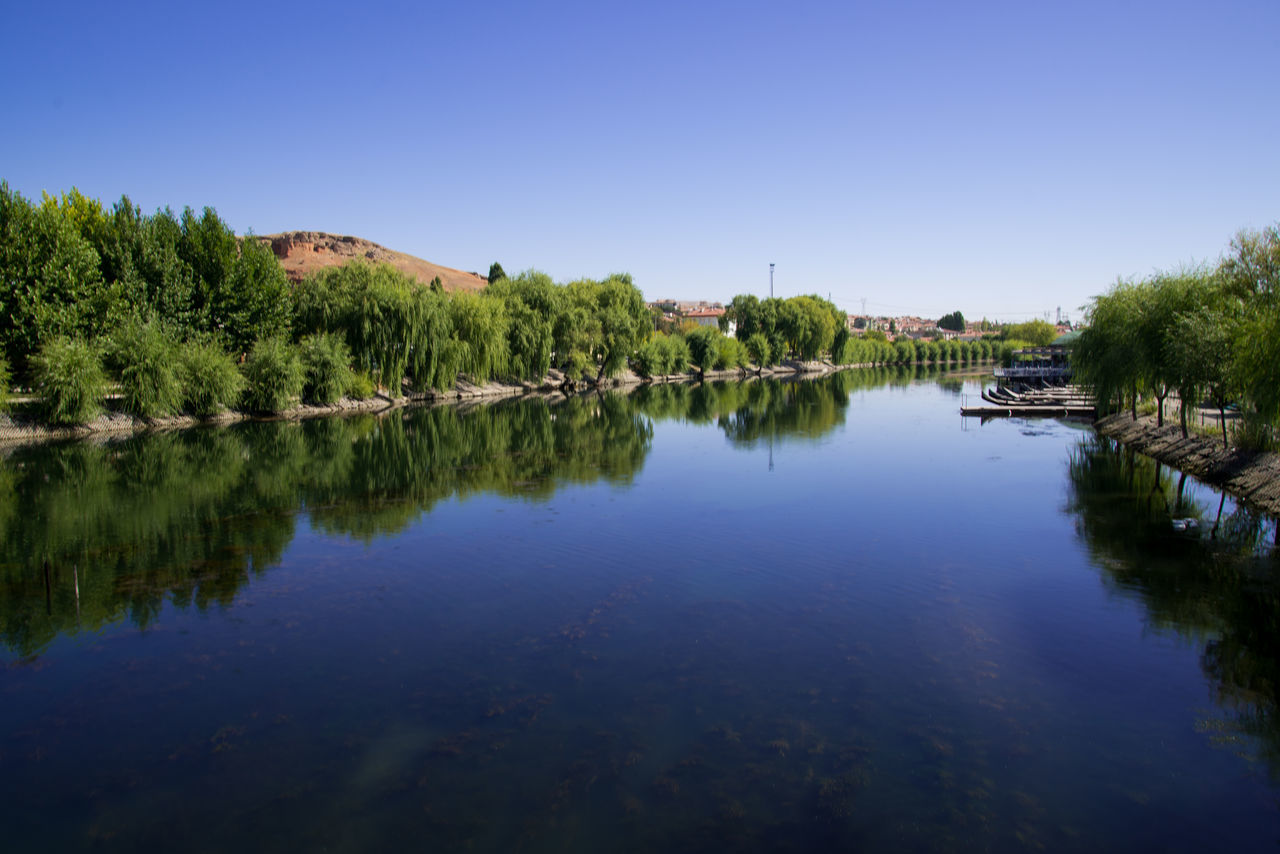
1182 416
1222 419
1160 408
1133 402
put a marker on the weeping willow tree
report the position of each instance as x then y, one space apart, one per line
479 324
517 328
532 303
1106 355
1210 333
393 325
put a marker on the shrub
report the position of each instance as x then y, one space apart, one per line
69 378
362 386
703 346
209 377
1004 353
678 358
730 353
648 360
758 349
1255 433
662 354
327 363
274 376
149 380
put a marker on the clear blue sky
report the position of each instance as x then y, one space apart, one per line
1003 159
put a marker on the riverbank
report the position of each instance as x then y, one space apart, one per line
17 429
1254 477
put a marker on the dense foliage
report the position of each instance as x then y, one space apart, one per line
1207 334
166 297
1037 333
146 356
326 363
68 374
274 376
70 267
804 327
210 379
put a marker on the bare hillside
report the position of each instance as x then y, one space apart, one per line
304 252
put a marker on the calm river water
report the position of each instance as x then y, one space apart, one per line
760 617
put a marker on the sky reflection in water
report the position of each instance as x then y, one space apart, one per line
760 617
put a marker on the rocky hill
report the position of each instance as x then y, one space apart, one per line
303 252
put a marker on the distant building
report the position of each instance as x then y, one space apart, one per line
705 316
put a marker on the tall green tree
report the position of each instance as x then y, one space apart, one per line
1199 351
1107 354
50 278
1038 333
532 302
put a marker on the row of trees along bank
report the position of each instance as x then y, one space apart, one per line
1203 334
182 315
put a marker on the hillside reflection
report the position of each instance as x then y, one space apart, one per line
95 534
1217 583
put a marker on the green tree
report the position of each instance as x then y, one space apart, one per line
1107 354
601 324
495 272
532 301
50 281
953 321
744 312
479 324
1039 333
1200 351
1251 271
703 344
254 301
1159 301
758 350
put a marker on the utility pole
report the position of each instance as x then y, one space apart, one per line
771 281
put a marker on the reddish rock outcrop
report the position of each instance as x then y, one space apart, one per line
304 252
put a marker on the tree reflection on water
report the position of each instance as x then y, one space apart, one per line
97 533
1216 583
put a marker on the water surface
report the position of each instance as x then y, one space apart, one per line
767 616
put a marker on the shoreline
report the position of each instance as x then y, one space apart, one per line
1250 476
113 423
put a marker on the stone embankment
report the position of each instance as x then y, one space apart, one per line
1255 477
19 430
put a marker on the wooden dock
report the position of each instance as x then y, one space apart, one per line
1061 402
1040 411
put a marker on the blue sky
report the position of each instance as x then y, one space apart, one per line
1003 159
